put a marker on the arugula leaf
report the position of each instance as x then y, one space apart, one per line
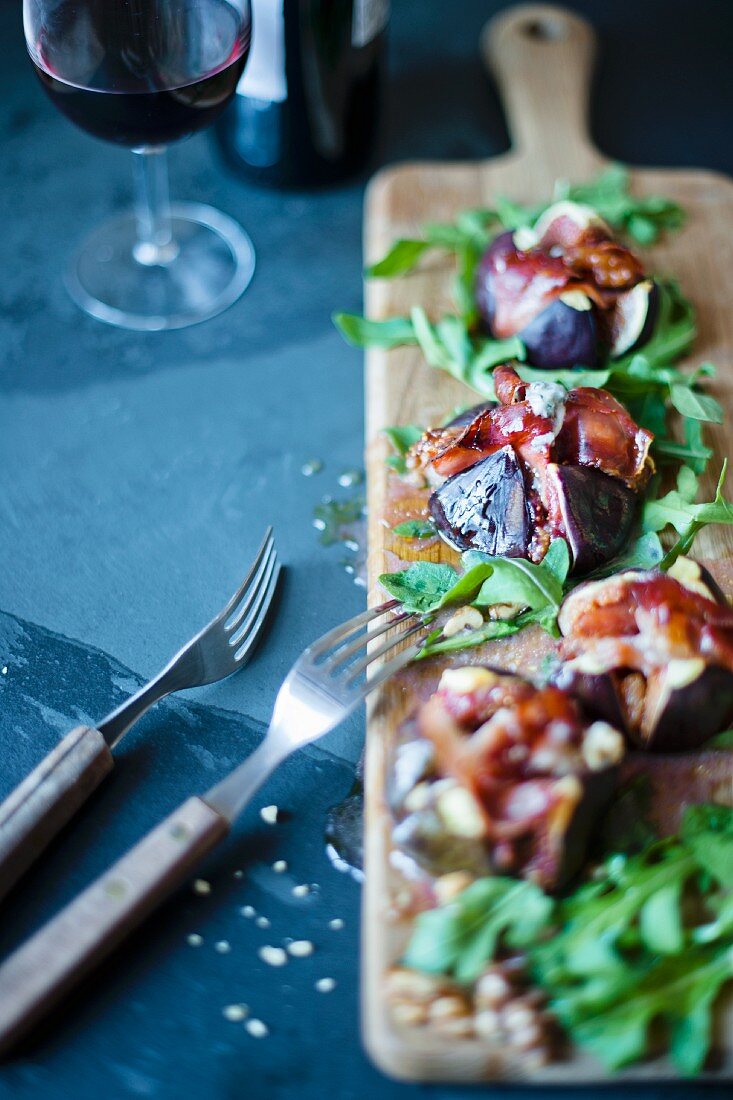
722 740
698 406
448 346
513 215
677 510
678 989
427 587
643 217
645 552
707 830
618 954
402 437
461 937
722 926
660 920
360 332
574 376
594 927
514 580
415 529
693 452
472 231
489 632
421 587
401 258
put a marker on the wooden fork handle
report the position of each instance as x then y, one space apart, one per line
48 965
48 798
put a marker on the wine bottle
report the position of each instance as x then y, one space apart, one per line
306 111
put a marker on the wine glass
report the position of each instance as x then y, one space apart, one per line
143 73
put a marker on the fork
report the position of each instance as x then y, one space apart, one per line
322 688
48 798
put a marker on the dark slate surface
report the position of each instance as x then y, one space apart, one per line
137 475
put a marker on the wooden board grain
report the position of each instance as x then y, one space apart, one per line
542 59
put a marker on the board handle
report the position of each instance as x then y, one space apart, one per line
541 56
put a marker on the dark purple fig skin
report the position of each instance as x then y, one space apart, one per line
568 850
561 337
598 514
652 310
692 714
485 507
469 415
503 244
596 692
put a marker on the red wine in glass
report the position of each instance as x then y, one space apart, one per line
143 98
144 73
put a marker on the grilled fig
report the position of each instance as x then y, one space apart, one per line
516 781
566 288
485 507
597 513
540 464
652 653
534 296
633 318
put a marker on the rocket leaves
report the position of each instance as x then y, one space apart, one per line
632 947
535 590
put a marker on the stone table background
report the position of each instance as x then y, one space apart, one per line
137 473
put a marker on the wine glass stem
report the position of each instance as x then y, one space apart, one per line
155 245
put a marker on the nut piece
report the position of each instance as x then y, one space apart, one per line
505 610
464 680
487 1024
409 1014
412 985
602 746
451 1015
465 618
493 990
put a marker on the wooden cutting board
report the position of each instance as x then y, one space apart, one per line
541 57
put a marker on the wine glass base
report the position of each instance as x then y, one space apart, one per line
209 267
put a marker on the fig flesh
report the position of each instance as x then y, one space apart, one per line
633 318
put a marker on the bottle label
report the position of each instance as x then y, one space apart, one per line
370 17
264 74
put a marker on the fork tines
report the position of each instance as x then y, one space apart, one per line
333 654
246 610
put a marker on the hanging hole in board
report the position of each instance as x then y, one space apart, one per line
544 30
